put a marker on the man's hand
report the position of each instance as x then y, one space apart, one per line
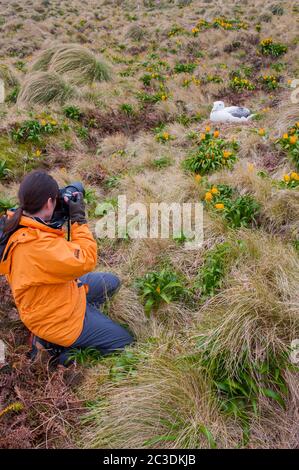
77 208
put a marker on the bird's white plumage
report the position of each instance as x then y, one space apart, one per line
222 113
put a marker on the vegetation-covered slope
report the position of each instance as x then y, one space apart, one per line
118 94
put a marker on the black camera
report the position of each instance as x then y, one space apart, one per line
61 213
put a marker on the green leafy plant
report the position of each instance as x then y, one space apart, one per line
237 211
278 67
82 132
228 24
242 211
5 204
33 130
157 287
161 162
4 170
164 137
211 154
124 365
87 356
175 30
269 82
68 144
72 112
185 67
238 391
268 47
90 198
290 143
239 84
186 119
152 98
213 270
112 181
12 96
289 181
213 79
127 109
148 77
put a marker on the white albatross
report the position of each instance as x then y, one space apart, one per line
220 113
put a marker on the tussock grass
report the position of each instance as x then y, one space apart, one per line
258 310
282 211
43 88
43 59
287 116
79 64
168 406
8 76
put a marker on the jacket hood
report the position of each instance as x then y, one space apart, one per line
28 230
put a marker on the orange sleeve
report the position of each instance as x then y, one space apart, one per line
58 260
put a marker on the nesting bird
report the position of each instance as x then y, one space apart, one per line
222 113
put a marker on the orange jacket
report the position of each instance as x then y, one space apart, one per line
41 267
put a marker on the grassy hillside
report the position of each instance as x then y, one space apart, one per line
118 94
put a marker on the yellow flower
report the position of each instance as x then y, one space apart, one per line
158 290
208 196
293 139
196 81
294 176
285 136
219 206
197 178
202 136
214 190
216 134
163 97
43 122
250 166
261 131
208 129
165 135
53 122
226 153
286 178
297 124
38 153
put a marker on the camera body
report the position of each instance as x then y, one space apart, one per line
61 212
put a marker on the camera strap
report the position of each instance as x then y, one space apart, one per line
68 229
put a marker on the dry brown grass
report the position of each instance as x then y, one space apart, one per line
167 407
259 308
